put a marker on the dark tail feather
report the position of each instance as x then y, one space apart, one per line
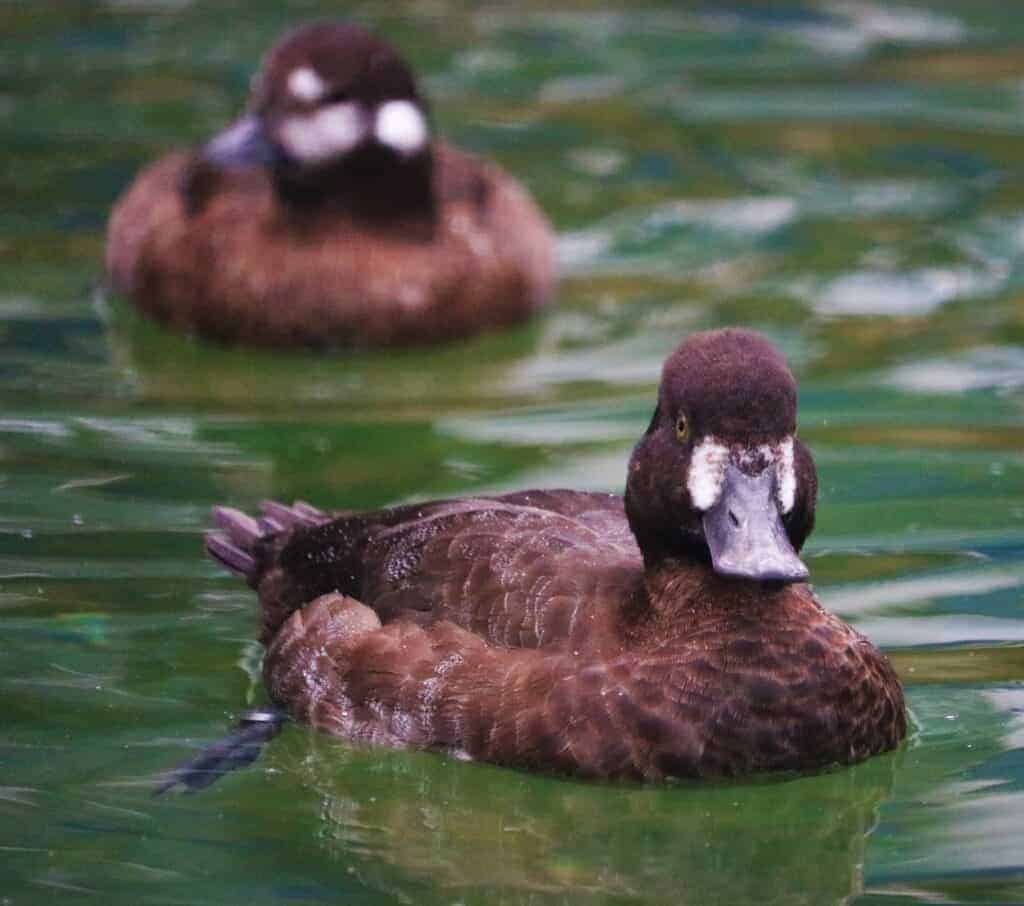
240 748
310 513
234 545
238 561
241 528
300 515
234 542
269 526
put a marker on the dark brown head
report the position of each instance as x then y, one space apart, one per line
334 111
719 475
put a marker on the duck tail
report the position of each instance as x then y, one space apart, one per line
237 541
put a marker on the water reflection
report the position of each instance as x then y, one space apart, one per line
179 370
475 830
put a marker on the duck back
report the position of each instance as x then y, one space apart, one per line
523 570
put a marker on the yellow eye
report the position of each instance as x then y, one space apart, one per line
682 429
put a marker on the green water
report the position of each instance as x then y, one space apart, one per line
848 178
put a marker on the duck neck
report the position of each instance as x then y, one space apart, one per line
683 591
373 187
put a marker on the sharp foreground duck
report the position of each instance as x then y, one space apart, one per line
329 215
667 633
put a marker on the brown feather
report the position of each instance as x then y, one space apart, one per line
585 665
244 270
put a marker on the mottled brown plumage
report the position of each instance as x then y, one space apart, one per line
260 240
532 630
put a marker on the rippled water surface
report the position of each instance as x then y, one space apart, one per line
845 176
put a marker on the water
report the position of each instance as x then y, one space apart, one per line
845 176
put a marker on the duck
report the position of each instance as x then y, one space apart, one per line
668 632
330 215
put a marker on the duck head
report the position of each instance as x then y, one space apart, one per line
333 110
719 475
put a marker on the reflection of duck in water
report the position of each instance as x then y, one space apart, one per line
329 216
669 633
485 836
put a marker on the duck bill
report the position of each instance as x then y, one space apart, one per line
243 144
745 534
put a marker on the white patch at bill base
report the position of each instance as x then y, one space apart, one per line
306 85
786 475
330 132
710 457
402 126
707 469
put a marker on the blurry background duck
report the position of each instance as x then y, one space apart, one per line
329 215
666 633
